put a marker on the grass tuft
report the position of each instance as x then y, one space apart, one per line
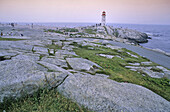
115 69
42 101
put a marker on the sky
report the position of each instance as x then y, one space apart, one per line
117 11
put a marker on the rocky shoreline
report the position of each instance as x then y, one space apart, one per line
44 57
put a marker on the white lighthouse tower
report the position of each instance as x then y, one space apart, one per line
103 18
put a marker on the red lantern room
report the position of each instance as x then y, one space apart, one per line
103 13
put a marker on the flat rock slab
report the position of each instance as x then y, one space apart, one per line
7 53
81 64
134 64
107 56
27 56
146 63
21 77
132 55
55 61
17 37
149 72
113 47
104 95
52 67
66 53
17 45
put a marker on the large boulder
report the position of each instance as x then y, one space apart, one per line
131 35
104 95
21 77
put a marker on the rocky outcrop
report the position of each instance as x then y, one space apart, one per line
131 35
104 95
21 77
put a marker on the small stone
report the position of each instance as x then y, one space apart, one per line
134 64
132 55
81 64
146 63
107 56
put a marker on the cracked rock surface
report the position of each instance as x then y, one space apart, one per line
104 95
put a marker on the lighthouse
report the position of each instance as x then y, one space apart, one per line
103 18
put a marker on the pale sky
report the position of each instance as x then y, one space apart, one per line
117 11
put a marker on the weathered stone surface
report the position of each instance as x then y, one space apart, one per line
113 47
102 75
162 68
148 71
40 50
37 42
134 64
168 54
90 44
132 55
133 67
19 77
81 64
32 57
18 45
68 47
105 42
105 95
95 40
55 61
107 56
52 67
151 73
55 78
132 35
66 53
7 53
17 37
15 75
146 63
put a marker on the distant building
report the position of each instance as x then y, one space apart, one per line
103 23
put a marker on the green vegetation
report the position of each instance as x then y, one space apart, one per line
51 54
90 31
106 30
10 39
53 46
41 56
116 33
115 67
62 30
54 31
81 34
42 101
71 30
33 50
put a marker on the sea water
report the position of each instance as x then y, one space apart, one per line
160 35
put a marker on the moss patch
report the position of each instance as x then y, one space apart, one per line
117 71
90 31
10 39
